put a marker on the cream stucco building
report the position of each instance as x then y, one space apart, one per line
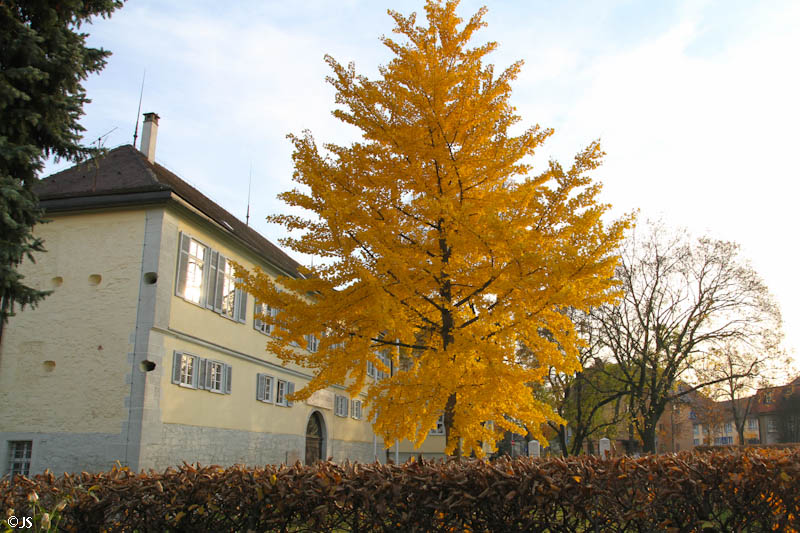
145 352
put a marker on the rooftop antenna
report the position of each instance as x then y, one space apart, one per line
249 186
101 140
139 111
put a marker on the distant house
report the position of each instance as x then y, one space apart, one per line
778 411
146 353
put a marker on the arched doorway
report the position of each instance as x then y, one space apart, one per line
315 438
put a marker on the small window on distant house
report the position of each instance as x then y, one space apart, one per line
371 369
752 424
19 457
696 429
768 397
772 425
439 429
728 428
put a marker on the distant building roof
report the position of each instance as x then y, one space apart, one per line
125 176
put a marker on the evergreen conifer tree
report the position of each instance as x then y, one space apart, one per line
43 62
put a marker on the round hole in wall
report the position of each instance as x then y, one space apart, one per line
57 281
95 279
150 277
147 366
49 365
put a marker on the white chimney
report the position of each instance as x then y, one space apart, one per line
149 133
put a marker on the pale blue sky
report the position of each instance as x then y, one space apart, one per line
696 103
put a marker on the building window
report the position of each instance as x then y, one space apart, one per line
355 410
696 429
282 390
371 371
768 397
772 425
19 457
387 361
439 428
191 269
340 406
214 372
264 310
752 424
206 278
696 442
312 343
264 388
195 372
723 441
728 428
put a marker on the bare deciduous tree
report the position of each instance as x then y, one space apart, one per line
683 297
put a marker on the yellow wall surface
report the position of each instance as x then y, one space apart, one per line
82 330
202 332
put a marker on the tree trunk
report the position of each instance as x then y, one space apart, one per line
449 413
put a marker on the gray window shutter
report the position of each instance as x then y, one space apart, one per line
211 278
195 371
353 408
220 284
205 374
261 383
257 323
183 264
176 367
228 378
289 390
241 305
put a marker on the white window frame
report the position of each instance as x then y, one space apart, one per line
217 290
260 325
312 343
283 388
265 387
201 373
772 425
696 429
355 409
728 428
439 428
215 376
19 457
752 424
188 263
340 406
371 370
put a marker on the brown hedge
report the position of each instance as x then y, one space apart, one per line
751 490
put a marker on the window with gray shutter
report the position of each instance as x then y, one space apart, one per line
261 384
228 378
204 374
289 390
211 280
176 367
241 305
183 265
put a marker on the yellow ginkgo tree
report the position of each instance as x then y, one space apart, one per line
443 253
